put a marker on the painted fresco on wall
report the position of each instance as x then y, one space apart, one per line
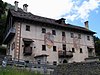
49 39
76 42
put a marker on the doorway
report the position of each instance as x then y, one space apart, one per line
65 61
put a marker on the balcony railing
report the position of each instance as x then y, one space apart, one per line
9 35
27 51
91 55
65 54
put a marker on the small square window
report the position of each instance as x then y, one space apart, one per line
64 47
54 48
43 47
53 32
27 28
63 33
81 50
72 35
88 37
54 62
73 50
79 36
43 30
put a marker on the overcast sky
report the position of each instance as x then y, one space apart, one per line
74 11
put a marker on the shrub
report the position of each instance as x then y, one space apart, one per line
16 71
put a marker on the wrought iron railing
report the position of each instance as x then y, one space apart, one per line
65 53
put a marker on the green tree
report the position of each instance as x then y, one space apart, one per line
2 18
97 45
2 7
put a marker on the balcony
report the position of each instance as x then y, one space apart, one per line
91 54
90 51
9 35
27 51
65 54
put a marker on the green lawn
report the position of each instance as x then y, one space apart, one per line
16 71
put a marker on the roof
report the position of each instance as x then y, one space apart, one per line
43 55
29 16
27 40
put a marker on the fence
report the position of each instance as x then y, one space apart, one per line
44 69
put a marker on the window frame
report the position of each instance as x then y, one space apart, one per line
54 62
43 47
13 46
54 48
53 32
63 33
73 50
39 61
27 28
79 36
43 30
81 51
64 46
72 35
88 37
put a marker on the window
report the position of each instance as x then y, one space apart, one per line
39 61
73 50
72 35
27 51
13 45
88 37
64 47
54 62
54 48
43 30
63 33
81 50
43 47
53 32
79 36
27 28
8 48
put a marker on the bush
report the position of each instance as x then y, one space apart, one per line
16 71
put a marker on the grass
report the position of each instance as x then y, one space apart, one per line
16 71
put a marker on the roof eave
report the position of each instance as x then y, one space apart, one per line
56 24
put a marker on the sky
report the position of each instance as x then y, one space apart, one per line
76 12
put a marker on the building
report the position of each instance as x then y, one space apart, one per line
43 40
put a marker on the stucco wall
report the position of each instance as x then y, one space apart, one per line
37 36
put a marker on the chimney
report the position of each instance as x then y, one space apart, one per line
86 25
61 21
16 5
25 7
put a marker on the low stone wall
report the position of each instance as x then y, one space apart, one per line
9 58
86 68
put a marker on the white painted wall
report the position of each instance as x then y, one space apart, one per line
37 36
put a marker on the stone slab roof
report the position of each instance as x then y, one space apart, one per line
29 16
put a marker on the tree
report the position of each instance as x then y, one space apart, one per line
2 18
97 45
2 7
